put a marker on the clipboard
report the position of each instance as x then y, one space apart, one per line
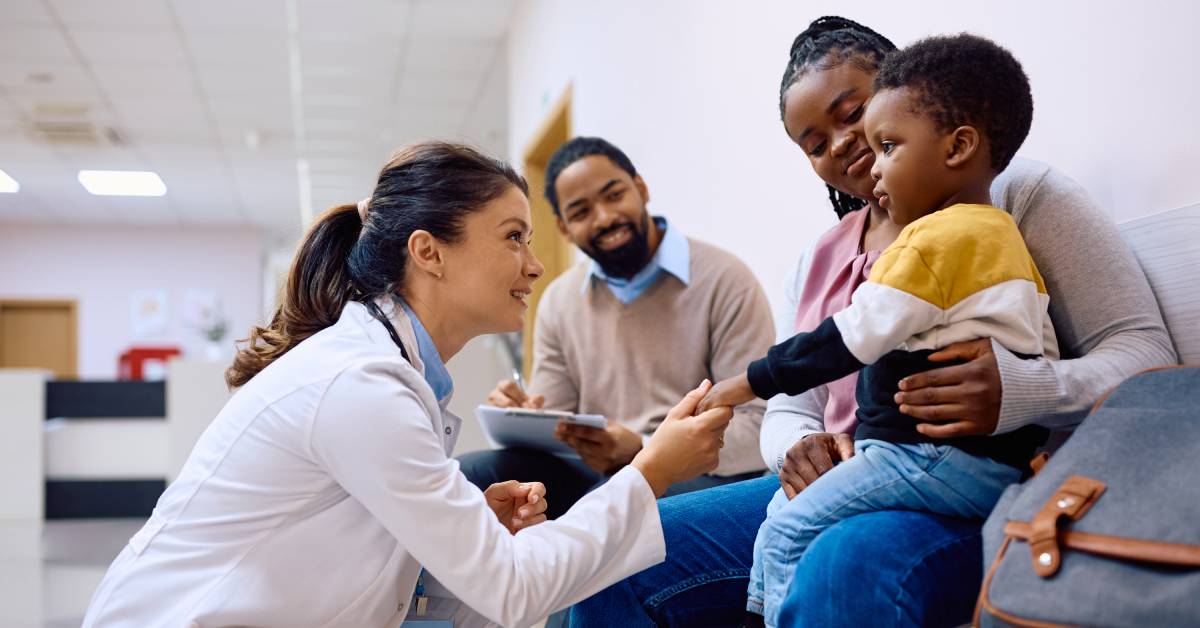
523 427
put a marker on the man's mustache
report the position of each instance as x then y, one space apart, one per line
595 241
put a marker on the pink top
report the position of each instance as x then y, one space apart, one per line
837 267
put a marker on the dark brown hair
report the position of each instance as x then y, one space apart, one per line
431 186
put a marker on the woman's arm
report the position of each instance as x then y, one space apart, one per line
372 435
790 418
1103 310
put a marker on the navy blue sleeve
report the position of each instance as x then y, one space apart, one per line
802 362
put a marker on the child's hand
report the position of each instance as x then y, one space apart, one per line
732 392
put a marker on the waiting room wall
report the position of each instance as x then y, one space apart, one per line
689 88
101 266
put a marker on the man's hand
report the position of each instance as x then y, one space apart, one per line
604 451
517 505
730 393
959 400
810 458
507 394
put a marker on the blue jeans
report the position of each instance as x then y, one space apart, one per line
881 476
891 568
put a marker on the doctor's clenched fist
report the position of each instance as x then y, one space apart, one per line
517 505
685 445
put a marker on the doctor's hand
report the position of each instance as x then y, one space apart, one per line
604 451
730 392
684 446
508 394
517 505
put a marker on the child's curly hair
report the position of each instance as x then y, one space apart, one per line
966 80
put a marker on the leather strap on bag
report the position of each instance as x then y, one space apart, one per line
1157 552
1070 501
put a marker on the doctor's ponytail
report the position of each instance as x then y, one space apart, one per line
348 255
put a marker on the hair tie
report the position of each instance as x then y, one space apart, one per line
362 208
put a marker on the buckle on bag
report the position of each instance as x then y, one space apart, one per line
1070 501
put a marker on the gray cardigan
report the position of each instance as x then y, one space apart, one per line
1105 315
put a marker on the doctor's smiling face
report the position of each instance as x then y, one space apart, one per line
489 272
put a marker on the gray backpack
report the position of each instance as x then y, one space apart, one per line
1107 533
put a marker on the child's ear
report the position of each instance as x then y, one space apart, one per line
962 144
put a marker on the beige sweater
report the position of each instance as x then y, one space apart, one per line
633 363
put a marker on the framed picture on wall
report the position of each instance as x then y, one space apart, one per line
148 312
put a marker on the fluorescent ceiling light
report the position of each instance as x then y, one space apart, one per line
122 183
8 185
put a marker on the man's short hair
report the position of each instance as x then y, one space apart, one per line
577 149
965 80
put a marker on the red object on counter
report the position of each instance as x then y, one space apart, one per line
133 362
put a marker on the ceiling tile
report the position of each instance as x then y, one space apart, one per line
35 43
22 14
135 47
120 80
229 15
248 50
35 74
232 80
113 13
102 158
433 90
469 19
442 58
375 17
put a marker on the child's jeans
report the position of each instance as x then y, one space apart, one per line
881 476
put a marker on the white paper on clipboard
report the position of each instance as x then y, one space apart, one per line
522 427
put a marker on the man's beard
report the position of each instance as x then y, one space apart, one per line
625 261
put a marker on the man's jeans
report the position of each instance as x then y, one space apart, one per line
566 479
881 476
890 568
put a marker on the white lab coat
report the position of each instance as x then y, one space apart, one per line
323 486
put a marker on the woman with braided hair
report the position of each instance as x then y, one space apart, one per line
892 567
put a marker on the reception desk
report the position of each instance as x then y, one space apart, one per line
74 449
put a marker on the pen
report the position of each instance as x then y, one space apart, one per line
520 382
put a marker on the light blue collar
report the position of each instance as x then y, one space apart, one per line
673 256
436 374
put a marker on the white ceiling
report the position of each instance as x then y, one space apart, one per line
231 101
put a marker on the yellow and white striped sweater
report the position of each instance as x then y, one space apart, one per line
958 274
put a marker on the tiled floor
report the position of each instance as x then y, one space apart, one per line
47 577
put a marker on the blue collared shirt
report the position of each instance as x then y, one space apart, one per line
436 374
673 256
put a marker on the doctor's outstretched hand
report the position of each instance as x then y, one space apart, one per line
517 505
686 444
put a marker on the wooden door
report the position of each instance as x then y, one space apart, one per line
39 334
554 251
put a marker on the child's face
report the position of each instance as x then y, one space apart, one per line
910 173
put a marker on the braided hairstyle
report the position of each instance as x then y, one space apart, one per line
828 42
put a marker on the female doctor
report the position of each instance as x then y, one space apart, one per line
325 484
